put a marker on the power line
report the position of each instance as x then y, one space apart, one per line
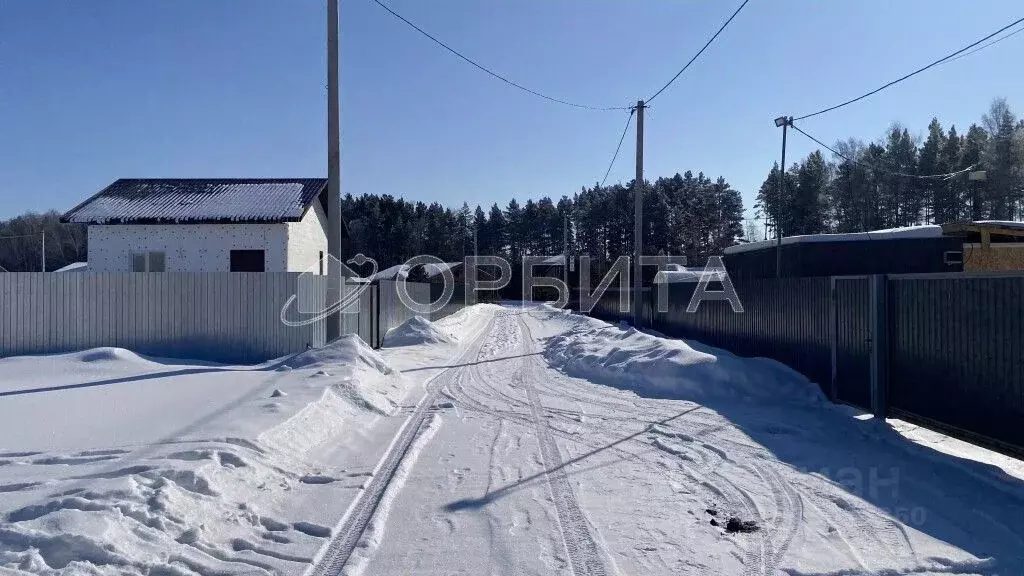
983 46
701 51
946 176
491 72
914 73
619 147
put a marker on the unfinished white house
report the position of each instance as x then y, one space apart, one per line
207 225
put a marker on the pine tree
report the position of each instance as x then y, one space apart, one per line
514 230
974 145
931 160
948 204
806 210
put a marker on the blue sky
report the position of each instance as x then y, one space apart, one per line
94 91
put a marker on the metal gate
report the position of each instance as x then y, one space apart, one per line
851 343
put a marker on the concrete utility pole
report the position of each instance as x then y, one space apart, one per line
785 122
638 217
42 257
334 278
565 254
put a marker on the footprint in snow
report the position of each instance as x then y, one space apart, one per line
311 529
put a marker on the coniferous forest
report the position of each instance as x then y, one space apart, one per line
688 214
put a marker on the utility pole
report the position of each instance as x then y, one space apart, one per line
638 216
785 122
565 253
334 277
42 258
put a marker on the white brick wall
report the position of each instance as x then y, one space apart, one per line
307 239
189 247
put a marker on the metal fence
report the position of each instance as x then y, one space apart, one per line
944 350
956 353
390 310
783 319
223 317
227 317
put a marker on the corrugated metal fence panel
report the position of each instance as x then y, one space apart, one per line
433 291
853 346
956 349
392 312
787 320
227 317
367 312
350 314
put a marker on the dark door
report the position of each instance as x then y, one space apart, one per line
247 261
852 371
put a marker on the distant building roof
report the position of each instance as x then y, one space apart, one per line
74 267
431 269
393 273
927 231
677 273
1005 228
193 201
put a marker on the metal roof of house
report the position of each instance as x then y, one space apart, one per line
220 200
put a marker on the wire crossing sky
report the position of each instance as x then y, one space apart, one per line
491 72
944 176
946 58
96 91
619 146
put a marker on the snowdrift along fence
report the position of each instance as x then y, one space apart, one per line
944 350
787 321
222 317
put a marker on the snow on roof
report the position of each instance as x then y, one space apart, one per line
432 269
556 260
392 273
927 231
677 274
1003 223
74 267
199 200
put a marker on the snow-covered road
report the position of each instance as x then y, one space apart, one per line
534 471
502 440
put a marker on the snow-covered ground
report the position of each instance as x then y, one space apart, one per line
500 440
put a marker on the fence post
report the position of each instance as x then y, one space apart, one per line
833 308
879 346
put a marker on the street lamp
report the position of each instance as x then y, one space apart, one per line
783 122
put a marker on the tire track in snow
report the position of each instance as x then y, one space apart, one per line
585 556
335 555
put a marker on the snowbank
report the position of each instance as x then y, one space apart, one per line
360 385
111 462
416 330
626 358
347 350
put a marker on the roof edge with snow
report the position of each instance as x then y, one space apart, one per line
910 232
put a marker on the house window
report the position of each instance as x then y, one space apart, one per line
247 261
149 262
321 262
